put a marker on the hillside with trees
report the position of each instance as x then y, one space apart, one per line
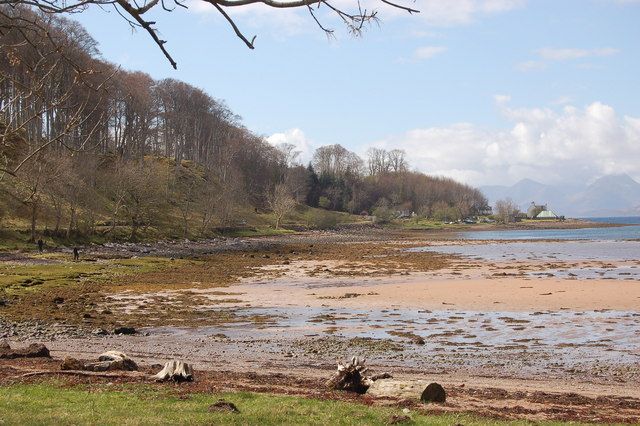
88 148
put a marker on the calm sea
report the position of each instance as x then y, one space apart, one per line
629 232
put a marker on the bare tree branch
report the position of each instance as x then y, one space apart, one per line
233 25
134 13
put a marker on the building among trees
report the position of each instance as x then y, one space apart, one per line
548 215
535 209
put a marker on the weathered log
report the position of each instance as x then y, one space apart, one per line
34 350
108 361
418 390
177 371
113 360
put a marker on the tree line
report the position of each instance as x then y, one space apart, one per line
87 145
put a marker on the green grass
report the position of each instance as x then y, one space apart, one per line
43 404
17 277
15 234
257 232
421 224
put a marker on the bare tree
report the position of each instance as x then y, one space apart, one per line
47 96
297 182
281 203
291 154
506 210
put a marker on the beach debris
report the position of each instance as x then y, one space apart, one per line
177 371
434 392
34 350
222 406
408 390
108 361
124 330
351 377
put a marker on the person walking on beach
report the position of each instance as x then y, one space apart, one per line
76 254
40 245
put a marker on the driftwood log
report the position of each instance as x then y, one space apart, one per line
177 371
420 390
108 361
351 376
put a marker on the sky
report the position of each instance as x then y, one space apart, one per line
484 91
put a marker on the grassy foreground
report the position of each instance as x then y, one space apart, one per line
50 403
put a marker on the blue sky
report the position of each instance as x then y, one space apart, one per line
486 91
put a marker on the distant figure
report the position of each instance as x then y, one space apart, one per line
76 254
40 245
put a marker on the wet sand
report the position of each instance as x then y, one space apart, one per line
436 293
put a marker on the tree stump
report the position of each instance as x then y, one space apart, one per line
350 377
176 371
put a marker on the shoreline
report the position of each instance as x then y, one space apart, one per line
290 305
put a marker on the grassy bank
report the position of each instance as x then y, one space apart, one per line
15 233
49 403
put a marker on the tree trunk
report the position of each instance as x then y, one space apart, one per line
176 371
72 219
34 218
420 390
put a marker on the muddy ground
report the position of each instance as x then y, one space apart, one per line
516 338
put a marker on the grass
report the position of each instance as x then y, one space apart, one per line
49 403
18 277
421 224
15 234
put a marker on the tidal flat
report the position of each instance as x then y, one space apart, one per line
534 316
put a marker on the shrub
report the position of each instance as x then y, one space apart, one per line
383 214
319 219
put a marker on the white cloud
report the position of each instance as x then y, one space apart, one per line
428 52
257 16
502 99
461 12
293 21
531 66
552 54
555 54
297 138
567 145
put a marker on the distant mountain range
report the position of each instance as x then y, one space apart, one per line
612 195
